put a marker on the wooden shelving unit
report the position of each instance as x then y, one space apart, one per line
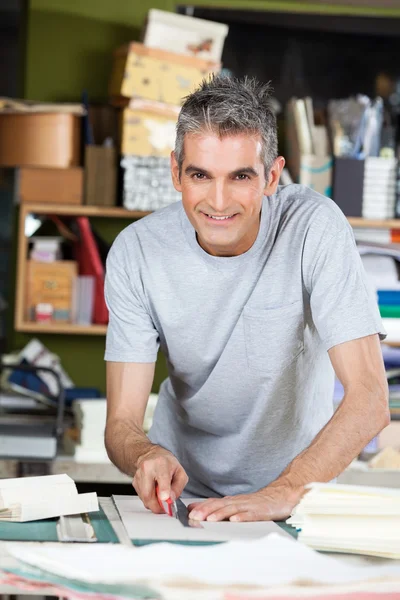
108 212
80 210
359 222
21 324
65 328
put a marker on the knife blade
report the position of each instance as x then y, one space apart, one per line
182 514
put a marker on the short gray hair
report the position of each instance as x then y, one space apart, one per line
227 106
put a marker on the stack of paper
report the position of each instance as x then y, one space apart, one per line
346 518
143 525
269 561
34 498
379 196
90 417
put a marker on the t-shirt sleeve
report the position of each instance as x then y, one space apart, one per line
343 305
131 335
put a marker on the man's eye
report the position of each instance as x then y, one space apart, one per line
198 176
242 177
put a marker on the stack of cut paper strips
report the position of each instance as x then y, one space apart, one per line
350 519
35 498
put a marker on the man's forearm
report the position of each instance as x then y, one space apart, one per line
126 443
352 426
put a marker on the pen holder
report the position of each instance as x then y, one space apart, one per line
365 188
348 185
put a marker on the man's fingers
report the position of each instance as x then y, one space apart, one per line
193 506
163 479
243 517
147 476
202 510
146 491
179 481
226 512
159 477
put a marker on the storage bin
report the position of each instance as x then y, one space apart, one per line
55 186
53 284
148 129
40 140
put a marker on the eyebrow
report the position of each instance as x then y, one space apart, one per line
245 171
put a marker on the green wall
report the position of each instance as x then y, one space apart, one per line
70 42
69 48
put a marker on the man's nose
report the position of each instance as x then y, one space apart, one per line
218 199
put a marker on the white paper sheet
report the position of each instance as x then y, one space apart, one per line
53 507
142 524
20 489
273 560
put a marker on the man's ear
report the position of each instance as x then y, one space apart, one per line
176 180
274 176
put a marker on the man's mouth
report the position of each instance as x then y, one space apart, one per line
220 217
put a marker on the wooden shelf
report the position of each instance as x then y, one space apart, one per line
83 210
374 223
67 210
66 328
108 212
123 213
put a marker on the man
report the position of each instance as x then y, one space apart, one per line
253 292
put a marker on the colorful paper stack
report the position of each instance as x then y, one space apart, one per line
389 303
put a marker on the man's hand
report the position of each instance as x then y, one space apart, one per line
158 466
273 503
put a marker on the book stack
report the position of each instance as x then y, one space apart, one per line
394 401
35 498
381 262
379 191
349 518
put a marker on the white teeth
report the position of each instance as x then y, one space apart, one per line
219 218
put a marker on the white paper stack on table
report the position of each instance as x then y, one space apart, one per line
349 518
143 525
191 572
90 417
35 498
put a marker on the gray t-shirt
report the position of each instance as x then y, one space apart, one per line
245 337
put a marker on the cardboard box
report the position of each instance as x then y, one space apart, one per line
186 35
100 176
40 140
154 74
57 186
148 129
51 283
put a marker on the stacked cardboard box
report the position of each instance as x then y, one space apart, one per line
148 83
43 141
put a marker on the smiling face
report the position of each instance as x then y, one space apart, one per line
223 183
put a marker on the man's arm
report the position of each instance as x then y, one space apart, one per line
362 414
128 389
